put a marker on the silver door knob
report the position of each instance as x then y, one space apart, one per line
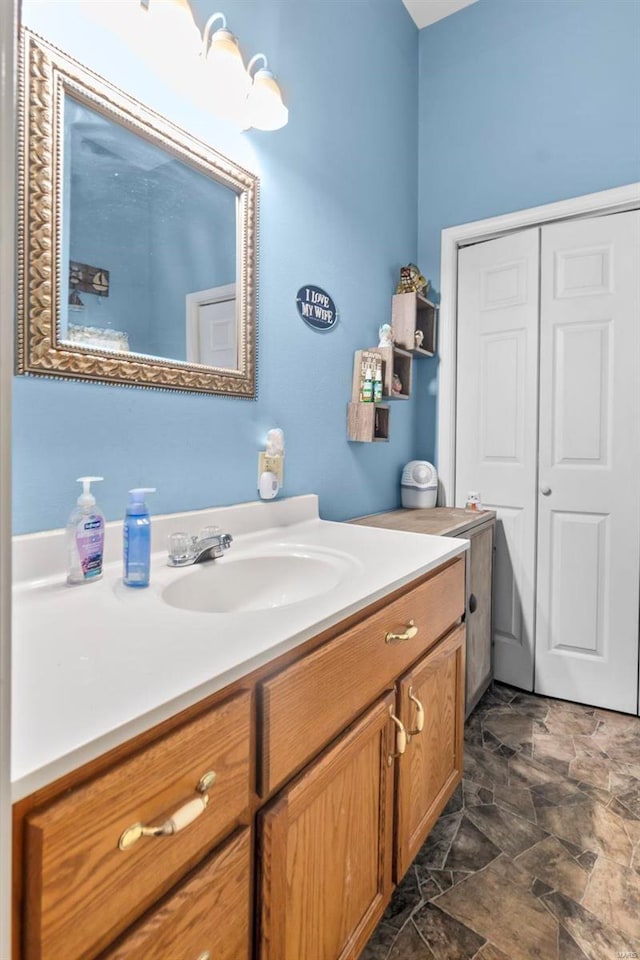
545 491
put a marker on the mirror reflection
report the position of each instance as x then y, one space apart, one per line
148 255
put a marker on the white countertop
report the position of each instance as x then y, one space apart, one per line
96 664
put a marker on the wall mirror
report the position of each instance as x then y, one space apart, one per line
138 247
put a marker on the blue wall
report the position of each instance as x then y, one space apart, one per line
338 189
522 104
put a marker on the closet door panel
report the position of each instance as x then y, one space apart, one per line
589 462
497 398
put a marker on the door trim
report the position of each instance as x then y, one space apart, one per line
617 200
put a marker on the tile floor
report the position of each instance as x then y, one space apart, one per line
537 855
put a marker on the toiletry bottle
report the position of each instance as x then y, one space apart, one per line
85 537
367 387
377 384
137 539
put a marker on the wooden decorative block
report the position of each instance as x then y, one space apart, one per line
411 312
367 422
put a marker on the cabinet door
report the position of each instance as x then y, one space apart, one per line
325 849
479 614
431 766
207 918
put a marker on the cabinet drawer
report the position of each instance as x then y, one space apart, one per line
306 705
208 916
82 890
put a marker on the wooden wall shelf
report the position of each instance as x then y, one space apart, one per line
367 422
411 312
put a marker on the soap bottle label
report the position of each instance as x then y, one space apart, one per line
89 541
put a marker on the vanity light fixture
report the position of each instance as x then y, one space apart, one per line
227 80
168 34
264 108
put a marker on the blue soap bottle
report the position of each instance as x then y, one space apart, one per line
137 539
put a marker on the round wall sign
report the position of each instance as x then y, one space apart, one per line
316 308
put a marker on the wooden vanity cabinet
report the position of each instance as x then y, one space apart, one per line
207 918
315 811
325 849
431 708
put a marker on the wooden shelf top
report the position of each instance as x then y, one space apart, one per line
440 521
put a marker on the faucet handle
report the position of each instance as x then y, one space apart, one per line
226 540
208 532
180 546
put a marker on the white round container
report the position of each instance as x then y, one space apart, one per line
419 485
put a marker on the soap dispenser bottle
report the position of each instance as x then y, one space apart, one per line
137 539
85 536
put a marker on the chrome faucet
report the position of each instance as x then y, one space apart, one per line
208 545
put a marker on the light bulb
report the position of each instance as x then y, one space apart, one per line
169 41
227 81
264 108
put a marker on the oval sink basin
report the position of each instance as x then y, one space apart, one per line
255 583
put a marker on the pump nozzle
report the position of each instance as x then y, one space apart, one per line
137 494
86 498
136 505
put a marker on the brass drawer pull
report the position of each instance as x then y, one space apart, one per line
419 714
183 816
409 634
401 738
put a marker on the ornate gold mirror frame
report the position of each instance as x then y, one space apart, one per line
46 74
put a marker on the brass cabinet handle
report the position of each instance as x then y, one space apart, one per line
401 738
409 634
205 955
183 816
419 714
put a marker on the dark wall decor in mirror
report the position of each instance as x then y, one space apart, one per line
138 243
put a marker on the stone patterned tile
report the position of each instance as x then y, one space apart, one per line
588 747
613 895
510 833
568 724
447 938
428 888
568 949
556 751
617 722
498 905
623 747
596 793
380 943
525 772
489 952
551 862
591 826
539 888
505 692
434 851
509 728
537 854
442 878
475 794
529 705
472 849
409 945
590 770
556 794
485 768
406 898
516 799
588 859
596 939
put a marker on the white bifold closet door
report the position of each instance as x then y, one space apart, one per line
548 429
496 431
589 462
